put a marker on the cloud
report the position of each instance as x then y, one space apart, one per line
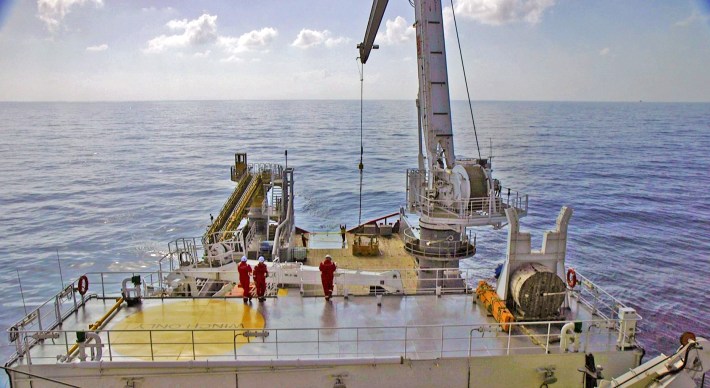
311 38
396 31
154 9
694 17
498 12
102 47
202 33
195 32
250 41
232 59
203 54
604 52
52 12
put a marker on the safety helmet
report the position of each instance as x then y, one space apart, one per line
327 257
261 259
244 258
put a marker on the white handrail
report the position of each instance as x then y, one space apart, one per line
464 340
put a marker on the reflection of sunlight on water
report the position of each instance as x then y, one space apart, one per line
133 265
82 264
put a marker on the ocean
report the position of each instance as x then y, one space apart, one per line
105 186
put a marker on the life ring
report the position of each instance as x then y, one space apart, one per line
83 285
14 335
571 278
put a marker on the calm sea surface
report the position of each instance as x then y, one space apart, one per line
108 185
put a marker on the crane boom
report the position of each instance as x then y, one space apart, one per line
434 84
368 42
435 112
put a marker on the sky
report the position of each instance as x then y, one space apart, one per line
545 50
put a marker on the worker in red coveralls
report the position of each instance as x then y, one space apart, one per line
327 269
260 274
244 273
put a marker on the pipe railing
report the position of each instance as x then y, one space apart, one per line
472 208
596 298
438 248
41 322
410 342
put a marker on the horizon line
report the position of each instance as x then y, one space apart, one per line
346 99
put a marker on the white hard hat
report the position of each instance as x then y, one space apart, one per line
327 257
244 258
261 259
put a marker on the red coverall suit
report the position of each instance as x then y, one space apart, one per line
244 272
327 269
260 272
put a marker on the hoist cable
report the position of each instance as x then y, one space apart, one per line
470 108
361 70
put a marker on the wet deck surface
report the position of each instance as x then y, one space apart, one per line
417 327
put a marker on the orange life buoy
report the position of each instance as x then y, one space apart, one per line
571 278
83 285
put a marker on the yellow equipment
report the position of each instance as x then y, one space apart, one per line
487 295
366 245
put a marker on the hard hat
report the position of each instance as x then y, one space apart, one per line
244 258
327 257
261 259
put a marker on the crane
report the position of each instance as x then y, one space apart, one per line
447 193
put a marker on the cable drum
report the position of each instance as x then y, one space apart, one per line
473 185
537 291
478 180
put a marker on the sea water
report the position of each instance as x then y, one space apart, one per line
106 186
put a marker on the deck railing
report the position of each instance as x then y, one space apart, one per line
475 211
414 342
40 324
465 247
475 208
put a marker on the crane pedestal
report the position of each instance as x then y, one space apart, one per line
441 250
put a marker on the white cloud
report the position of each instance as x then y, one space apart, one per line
694 17
102 47
195 32
396 31
232 59
497 12
52 12
311 38
604 52
202 32
250 41
332 42
154 9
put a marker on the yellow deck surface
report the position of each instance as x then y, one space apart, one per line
172 326
392 256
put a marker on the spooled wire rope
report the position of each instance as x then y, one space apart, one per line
465 81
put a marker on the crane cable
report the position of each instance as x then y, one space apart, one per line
470 108
361 70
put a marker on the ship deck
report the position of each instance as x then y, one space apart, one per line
391 255
292 326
